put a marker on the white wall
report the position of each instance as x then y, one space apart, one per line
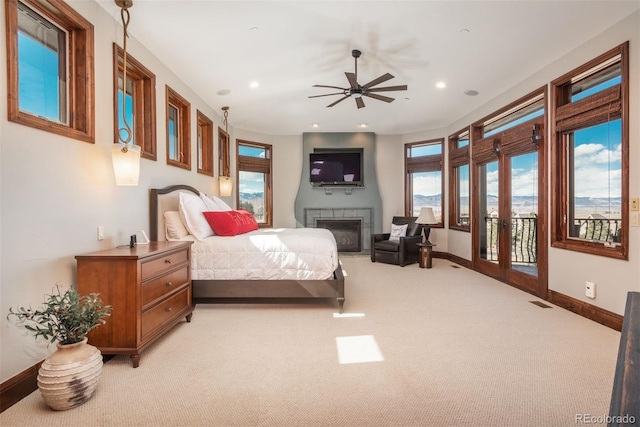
56 190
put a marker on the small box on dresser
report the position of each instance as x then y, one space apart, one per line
149 287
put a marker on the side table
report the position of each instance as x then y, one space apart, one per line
426 254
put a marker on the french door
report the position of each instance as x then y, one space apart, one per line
510 221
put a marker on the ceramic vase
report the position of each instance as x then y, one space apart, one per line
69 376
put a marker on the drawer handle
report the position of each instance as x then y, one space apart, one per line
168 308
169 283
167 261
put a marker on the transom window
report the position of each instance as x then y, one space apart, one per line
423 177
254 180
205 145
50 68
590 157
141 103
459 192
178 130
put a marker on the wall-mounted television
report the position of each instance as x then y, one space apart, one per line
336 167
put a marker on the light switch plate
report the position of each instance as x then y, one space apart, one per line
634 204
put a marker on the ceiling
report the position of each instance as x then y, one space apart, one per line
220 47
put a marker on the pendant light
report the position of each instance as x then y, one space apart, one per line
124 154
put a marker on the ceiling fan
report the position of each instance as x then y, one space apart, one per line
357 91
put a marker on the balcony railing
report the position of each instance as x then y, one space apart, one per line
524 235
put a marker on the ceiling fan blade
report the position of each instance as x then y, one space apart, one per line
339 100
387 88
377 81
380 97
327 94
331 87
352 79
359 102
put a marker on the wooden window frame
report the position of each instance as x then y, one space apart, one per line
80 70
205 145
256 164
224 153
559 158
144 102
430 163
458 156
184 135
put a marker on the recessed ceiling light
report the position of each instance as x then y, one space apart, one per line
465 31
315 125
471 92
254 84
363 125
253 29
223 92
441 85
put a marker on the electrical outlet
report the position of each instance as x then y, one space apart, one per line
100 232
590 289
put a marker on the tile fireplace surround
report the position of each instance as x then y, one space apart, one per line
365 215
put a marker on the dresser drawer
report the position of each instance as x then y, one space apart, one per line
149 268
162 285
164 312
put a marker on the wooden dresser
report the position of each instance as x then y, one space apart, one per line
149 287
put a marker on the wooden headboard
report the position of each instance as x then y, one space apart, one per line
162 200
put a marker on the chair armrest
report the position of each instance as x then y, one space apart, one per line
379 237
409 244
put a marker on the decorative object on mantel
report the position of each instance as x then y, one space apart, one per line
425 218
225 181
69 376
125 154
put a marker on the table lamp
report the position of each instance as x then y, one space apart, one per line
425 218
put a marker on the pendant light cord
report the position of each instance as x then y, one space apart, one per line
124 14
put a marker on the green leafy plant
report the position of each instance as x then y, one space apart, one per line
64 317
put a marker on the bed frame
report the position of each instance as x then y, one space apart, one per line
243 291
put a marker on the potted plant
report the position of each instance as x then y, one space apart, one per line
68 377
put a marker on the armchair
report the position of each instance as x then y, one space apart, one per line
403 252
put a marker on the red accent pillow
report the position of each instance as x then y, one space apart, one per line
231 223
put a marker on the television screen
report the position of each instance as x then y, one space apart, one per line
336 168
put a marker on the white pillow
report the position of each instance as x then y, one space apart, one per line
174 228
397 231
214 204
191 208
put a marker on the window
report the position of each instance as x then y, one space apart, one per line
423 178
178 130
223 153
141 103
590 157
459 195
205 145
50 68
254 180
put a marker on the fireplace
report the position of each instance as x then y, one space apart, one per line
313 217
348 233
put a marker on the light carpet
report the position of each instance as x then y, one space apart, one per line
437 347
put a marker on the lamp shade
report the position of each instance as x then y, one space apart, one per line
426 216
126 163
226 186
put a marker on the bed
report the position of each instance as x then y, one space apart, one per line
306 277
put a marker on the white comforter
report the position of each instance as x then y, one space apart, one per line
266 254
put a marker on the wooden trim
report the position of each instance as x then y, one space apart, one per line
80 70
144 98
184 131
584 309
224 153
458 260
205 152
18 387
259 165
